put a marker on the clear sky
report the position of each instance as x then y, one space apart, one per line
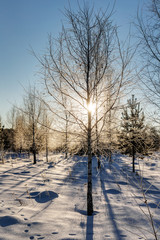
25 23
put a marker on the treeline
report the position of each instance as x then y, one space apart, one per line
34 134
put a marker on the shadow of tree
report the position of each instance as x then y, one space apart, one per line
89 228
117 232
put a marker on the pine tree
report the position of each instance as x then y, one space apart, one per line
133 137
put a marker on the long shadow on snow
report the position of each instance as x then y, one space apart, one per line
89 229
136 180
22 181
78 175
78 172
16 168
89 225
126 178
117 232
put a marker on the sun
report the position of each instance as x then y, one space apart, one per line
91 107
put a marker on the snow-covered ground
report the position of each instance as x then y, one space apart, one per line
48 200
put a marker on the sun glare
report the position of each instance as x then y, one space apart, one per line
91 107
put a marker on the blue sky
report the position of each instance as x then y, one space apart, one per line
25 23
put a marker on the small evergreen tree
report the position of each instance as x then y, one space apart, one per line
133 138
8 136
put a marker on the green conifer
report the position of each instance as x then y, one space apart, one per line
133 138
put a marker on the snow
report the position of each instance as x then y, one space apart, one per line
48 200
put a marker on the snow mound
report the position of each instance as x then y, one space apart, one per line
112 191
43 197
8 220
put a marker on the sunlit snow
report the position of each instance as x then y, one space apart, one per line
48 200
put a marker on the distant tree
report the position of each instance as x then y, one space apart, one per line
154 138
33 113
11 119
148 25
133 138
20 140
8 136
1 141
46 128
44 131
66 134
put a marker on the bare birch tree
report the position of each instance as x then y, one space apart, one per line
20 132
32 110
45 127
89 47
11 118
1 141
148 25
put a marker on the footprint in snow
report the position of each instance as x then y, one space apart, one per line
26 230
39 237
